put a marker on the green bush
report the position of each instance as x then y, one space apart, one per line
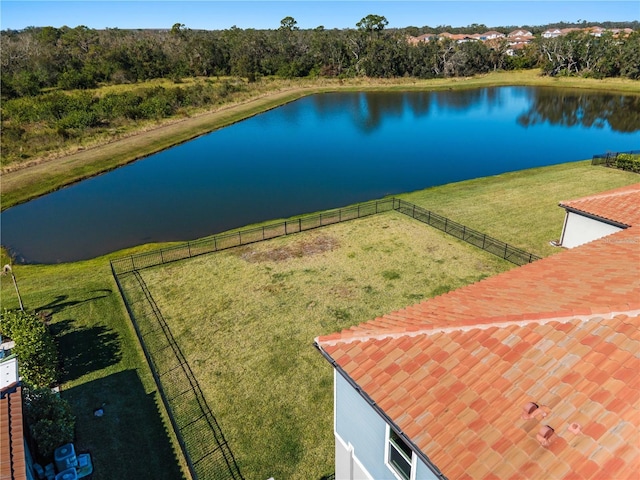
626 161
35 348
50 419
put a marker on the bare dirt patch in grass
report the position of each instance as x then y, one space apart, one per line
303 247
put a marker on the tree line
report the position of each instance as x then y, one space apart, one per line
39 58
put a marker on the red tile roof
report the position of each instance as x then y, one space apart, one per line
621 205
12 455
454 372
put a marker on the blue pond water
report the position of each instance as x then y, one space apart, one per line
316 153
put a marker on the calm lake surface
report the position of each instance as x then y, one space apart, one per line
319 152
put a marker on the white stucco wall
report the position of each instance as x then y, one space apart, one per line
579 229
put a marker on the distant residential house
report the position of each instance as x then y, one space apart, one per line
492 34
520 33
552 33
517 43
566 31
532 373
425 37
621 32
456 37
595 31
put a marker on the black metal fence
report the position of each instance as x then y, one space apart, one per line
245 237
200 437
469 235
610 159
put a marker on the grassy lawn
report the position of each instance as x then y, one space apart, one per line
245 319
42 175
364 270
102 366
521 208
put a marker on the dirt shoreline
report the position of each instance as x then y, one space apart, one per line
56 172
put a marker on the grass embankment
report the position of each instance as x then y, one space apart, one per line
38 176
105 364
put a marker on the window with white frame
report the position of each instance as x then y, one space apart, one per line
399 456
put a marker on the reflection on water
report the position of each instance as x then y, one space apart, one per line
316 153
621 113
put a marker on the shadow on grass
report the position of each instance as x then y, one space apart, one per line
129 440
84 350
61 301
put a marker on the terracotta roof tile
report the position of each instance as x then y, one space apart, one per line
619 205
563 332
12 454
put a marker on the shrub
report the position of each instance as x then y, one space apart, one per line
50 419
626 161
35 348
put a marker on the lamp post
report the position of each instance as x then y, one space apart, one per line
7 269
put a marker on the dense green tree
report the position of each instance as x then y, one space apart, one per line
50 419
34 346
34 59
630 57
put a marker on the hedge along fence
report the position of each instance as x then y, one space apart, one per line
629 161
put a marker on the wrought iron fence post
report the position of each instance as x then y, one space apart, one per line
300 224
506 245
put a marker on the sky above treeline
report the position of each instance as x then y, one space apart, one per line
266 14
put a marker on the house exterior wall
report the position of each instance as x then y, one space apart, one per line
357 425
579 230
361 436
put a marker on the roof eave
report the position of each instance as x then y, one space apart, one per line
434 469
594 216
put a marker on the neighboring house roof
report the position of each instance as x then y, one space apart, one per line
520 33
492 33
12 454
621 205
454 372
